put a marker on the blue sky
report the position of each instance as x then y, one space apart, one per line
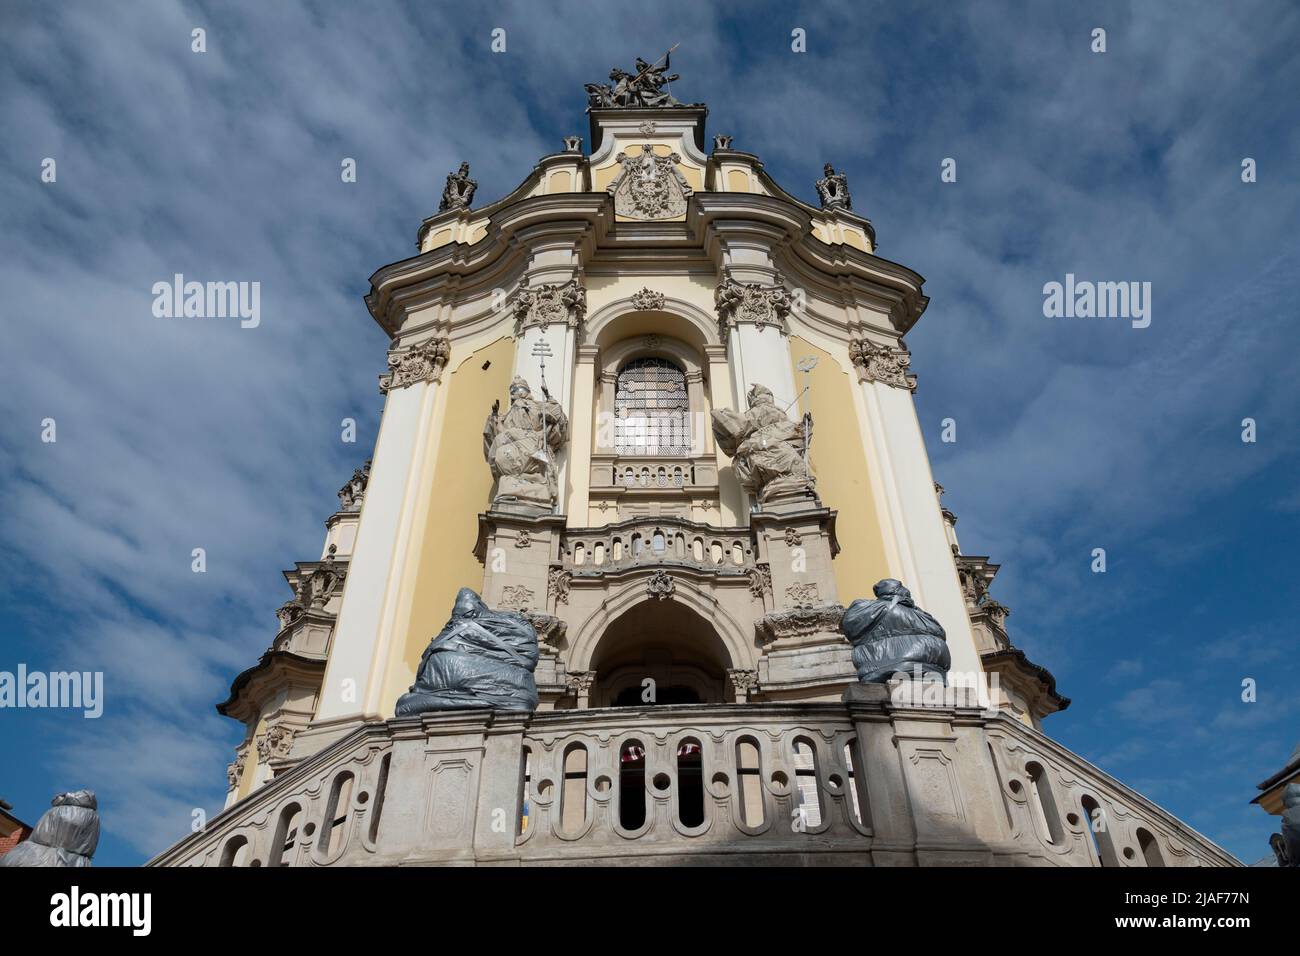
1071 434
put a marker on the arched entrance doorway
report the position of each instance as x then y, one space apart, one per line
659 652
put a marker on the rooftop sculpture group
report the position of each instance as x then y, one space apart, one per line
640 90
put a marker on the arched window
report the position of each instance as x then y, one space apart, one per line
749 783
651 411
1098 828
573 796
1150 848
286 836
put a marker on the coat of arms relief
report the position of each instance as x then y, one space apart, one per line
649 186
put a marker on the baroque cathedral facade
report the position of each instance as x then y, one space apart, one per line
660 410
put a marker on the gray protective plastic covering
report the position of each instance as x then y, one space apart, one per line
892 634
481 658
66 835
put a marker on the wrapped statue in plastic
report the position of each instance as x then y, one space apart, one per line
480 658
767 448
891 635
66 835
520 446
1286 845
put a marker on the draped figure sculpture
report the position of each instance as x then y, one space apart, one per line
891 635
765 446
480 658
66 835
520 446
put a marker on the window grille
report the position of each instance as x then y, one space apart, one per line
651 410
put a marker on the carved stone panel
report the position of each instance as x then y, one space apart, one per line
649 187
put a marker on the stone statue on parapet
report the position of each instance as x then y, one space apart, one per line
765 446
66 835
833 188
640 90
892 635
480 658
459 191
520 446
1286 845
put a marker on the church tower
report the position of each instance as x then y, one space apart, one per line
662 408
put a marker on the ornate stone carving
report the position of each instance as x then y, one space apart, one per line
648 301
752 303
647 128
649 187
275 743
517 597
459 191
573 144
557 584
520 447
722 142
351 494
802 595
235 772
660 585
891 635
288 613
480 658
760 580
799 622
640 90
745 681
316 589
423 362
550 630
550 304
880 363
792 537
765 446
833 189
580 682
522 540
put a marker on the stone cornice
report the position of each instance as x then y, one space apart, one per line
836 274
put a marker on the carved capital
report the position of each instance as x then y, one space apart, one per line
760 580
423 362
275 743
880 363
751 303
550 304
550 630
745 681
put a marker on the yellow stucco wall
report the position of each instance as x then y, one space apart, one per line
459 491
839 463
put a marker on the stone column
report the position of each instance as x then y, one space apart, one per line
581 421
894 440
402 468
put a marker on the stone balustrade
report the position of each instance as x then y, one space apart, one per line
871 781
638 542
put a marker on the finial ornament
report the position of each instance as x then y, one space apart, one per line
834 189
459 191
